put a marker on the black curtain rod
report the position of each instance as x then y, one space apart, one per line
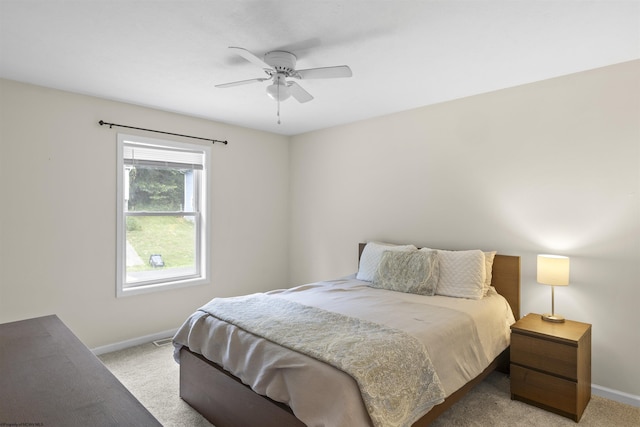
111 125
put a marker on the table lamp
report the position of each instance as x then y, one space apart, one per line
553 270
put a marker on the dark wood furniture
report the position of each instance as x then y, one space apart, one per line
49 378
551 365
226 402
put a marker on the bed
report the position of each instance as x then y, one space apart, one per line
205 342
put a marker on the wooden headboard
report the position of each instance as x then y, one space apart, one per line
505 278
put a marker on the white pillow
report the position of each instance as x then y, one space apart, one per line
371 255
462 274
488 264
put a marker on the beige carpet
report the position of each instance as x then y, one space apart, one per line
152 376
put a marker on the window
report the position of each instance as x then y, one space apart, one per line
162 214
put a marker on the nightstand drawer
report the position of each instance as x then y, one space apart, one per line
548 356
547 390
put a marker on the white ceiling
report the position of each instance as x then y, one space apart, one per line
404 53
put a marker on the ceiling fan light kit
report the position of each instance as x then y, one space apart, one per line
280 65
278 91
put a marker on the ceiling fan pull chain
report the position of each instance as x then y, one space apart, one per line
278 102
278 112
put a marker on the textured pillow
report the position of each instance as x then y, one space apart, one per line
413 272
371 255
462 274
488 265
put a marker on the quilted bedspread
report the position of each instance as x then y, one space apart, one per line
393 370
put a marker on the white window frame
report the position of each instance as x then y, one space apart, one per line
203 243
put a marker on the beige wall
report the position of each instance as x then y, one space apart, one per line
552 166
58 218
548 167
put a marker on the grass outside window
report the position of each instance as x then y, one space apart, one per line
173 237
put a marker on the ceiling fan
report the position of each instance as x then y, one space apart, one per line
280 65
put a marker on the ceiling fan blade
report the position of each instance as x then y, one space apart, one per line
242 82
298 92
250 57
324 72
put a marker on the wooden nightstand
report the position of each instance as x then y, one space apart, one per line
551 365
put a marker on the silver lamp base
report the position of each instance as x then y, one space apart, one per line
555 318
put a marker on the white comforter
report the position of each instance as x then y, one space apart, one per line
462 337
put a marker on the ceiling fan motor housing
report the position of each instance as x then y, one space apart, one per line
281 61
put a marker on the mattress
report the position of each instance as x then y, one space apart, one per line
462 337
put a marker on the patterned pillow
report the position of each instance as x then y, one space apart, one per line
371 255
462 274
413 272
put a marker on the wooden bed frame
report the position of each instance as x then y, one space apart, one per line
226 402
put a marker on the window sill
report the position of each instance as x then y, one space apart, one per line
158 287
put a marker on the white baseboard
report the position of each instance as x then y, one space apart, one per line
618 396
133 342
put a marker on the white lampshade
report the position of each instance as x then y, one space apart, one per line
553 270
